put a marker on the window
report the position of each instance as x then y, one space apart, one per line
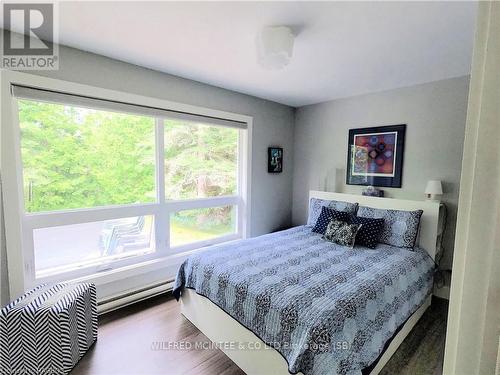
200 160
78 245
108 184
201 224
77 157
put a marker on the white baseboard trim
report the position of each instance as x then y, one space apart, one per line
132 296
443 292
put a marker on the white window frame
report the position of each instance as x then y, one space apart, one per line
19 225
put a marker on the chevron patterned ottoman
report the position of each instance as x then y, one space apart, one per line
48 329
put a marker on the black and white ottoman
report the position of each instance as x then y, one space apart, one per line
48 329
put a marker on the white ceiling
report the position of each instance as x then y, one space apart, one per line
341 49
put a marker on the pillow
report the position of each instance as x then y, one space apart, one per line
400 227
315 205
369 233
326 215
341 232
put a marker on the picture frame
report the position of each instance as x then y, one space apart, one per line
274 160
375 156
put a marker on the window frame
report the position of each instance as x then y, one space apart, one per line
20 225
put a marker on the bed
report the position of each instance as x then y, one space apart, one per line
291 302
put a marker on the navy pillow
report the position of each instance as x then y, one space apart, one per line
369 233
327 214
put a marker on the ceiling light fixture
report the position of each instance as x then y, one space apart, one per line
274 46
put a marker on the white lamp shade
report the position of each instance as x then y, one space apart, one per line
434 187
274 47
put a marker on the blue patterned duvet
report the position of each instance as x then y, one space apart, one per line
326 308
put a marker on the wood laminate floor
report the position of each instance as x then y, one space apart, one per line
141 339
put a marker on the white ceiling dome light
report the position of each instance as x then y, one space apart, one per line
274 47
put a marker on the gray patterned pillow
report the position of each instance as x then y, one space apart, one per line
400 227
341 233
315 205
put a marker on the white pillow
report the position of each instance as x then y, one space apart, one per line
315 205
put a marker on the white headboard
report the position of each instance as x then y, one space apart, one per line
428 221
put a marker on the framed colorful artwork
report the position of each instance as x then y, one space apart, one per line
275 160
375 156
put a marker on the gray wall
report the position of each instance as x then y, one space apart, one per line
273 125
435 116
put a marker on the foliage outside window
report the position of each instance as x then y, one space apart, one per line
201 224
200 160
80 158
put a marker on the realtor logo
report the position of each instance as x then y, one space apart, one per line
29 36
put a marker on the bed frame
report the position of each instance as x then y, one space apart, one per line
220 327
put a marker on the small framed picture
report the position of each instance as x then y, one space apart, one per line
275 160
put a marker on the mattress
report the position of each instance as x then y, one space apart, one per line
324 307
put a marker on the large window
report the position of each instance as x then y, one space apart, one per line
107 185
